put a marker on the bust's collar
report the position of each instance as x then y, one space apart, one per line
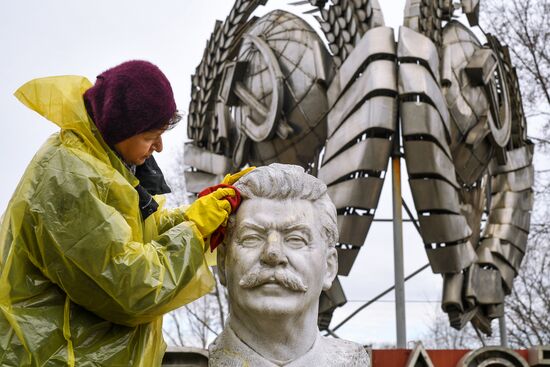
231 349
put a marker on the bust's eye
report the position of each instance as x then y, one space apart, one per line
251 240
295 241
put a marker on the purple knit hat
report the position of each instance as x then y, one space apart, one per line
129 99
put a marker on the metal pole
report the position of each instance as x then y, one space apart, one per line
399 271
503 333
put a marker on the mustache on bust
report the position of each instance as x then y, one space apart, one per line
259 275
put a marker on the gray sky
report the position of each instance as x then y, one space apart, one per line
57 37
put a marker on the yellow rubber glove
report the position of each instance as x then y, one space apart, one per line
230 179
210 211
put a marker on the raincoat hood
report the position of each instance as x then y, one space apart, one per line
60 100
84 279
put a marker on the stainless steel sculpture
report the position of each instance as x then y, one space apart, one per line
461 110
268 90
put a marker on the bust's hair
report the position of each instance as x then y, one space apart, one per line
283 182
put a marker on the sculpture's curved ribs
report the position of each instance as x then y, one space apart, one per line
427 138
268 90
361 124
464 141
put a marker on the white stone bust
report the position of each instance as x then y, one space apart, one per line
277 257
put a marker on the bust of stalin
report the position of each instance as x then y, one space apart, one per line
279 254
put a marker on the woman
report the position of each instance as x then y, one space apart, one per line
89 260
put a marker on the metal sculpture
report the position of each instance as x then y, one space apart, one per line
492 357
461 110
268 90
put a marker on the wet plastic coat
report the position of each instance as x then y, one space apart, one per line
84 281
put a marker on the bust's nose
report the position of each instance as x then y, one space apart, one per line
273 252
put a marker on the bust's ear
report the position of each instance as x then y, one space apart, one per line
332 268
221 263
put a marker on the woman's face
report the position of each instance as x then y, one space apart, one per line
136 149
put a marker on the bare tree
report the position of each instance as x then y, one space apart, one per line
197 323
441 335
524 26
528 307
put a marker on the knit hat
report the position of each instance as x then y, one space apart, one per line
129 99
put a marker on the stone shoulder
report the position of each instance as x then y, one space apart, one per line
341 352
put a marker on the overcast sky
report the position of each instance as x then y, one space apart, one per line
57 37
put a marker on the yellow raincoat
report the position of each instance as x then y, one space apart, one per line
84 281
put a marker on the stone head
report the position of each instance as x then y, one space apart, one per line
279 252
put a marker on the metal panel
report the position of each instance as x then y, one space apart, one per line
377 18
520 180
423 119
452 292
484 256
512 254
433 194
492 244
206 161
507 272
471 161
377 112
465 102
415 45
492 355
329 300
451 259
415 79
380 75
516 159
481 67
484 285
346 258
332 298
369 155
363 192
444 228
412 14
522 200
378 40
519 218
353 229
196 181
508 233
471 9
427 158
504 251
